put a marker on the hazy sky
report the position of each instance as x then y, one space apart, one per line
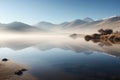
56 11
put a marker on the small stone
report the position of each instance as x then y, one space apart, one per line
4 59
19 73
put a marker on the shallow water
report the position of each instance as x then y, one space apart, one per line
63 58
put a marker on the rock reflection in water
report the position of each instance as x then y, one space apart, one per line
64 42
58 59
105 37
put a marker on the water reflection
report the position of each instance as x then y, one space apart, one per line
61 58
66 43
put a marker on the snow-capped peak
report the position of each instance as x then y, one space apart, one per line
114 16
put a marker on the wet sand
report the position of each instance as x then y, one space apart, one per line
8 69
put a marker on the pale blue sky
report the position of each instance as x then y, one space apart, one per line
56 11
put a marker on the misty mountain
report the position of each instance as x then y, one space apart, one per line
75 23
2 26
108 23
113 19
19 26
78 24
87 19
112 23
45 25
64 24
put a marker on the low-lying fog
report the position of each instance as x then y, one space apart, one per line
56 56
50 40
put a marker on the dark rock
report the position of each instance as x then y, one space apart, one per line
88 37
74 36
24 69
105 32
19 72
4 59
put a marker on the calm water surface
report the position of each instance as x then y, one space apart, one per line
64 58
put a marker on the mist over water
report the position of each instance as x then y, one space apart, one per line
52 56
59 40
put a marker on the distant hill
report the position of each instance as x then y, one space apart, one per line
45 25
77 22
19 26
108 23
74 23
87 19
64 24
79 25
2 26
113 23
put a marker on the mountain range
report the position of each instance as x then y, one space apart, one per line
78 24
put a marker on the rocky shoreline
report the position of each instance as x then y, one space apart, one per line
106 35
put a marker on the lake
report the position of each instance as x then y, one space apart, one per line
59 58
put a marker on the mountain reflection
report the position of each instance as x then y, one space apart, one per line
64 42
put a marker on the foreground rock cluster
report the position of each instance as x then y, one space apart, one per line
106 35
